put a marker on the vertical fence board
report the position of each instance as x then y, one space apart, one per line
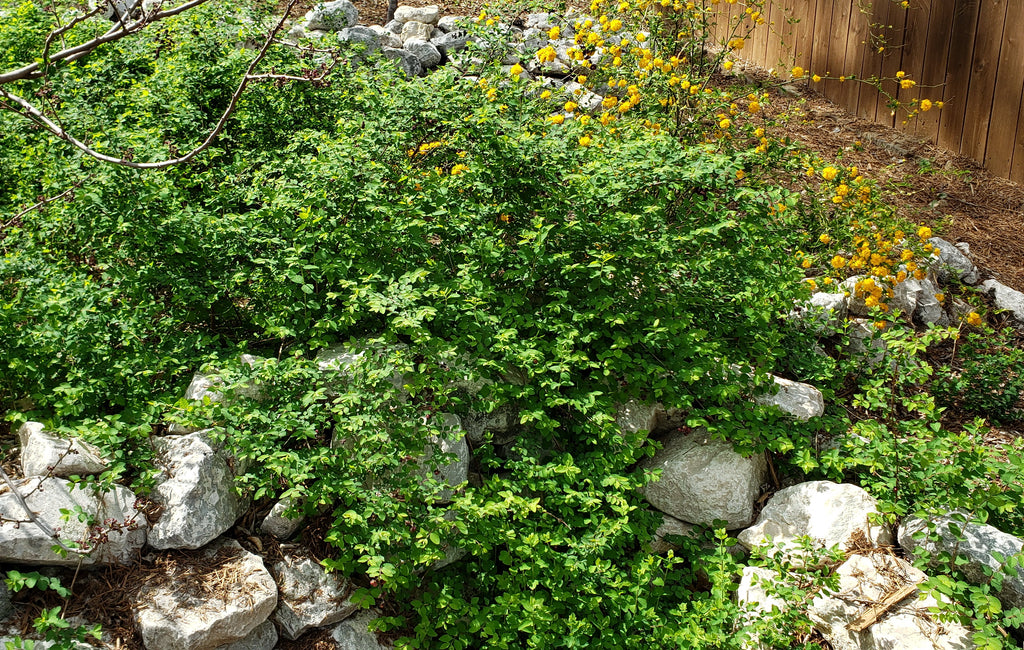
822 37
958 72
892 62
871 66
1017 170
933 76
837 50
803 37
1006 109
914 51
849 91
983 77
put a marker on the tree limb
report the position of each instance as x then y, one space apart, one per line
26 109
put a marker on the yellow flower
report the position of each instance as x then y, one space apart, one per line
557 118
740 174
546 94
974 319
824 239
880 324
753 107
458 169
940 297
585 141
838 262
829 173
584 120
582 78
926 105
816 78
806 263
924 232
901 74
516 70
614 25
554 33
797 72
727 65
571 106
907 83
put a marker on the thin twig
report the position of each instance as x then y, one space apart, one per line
43 526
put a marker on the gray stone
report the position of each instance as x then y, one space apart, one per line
263 637
450 42
500 423
310 597
977 544
277 525
44 453
907 625
332 16
428 14
916 298
865 340
112 9
428 55
394 27
831 514
453 23
386 38
588 101
954 263
416 30
364 36
194 608
802 401
196 491
757 603
670 527
453 441
823 314
704 479
634 417
855 304
6 607
354 633
1005 298
120 525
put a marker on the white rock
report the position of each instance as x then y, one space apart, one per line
196 490
865 340
823 313
1005 298
634 416
829 513
354 633
277 525
588 101
753 592
26 543
416 30
929 310
907 626
450 42
452 23
428 55
976 544
428 14
670 526
954 263
453 441
802 401
43 453
263 637
332 16
365 36
704 479
310 597
204 608
112 9
855 304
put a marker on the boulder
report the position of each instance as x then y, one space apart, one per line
385 38
866 579
354 633
195 490
263 637
310 597
865 340
332 16
500 423
802 401
1005 298
364 36
670 527
823 313
953 263
634 417
916 298
428 55
45 454
757 603
428 14
217 599
452 441
277 525
450 42
831 514
452 23
975 543
116 538
703 479
416 30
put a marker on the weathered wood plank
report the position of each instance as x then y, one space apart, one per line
933 75
1005 126
958 72
984 66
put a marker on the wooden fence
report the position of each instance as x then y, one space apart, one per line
969 54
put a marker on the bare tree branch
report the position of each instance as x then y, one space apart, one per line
26 109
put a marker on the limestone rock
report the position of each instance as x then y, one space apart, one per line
112 9
416 30
500 423
1005 298
916 298
354 633
428 14
114 511
634 416
364 36
196 490
976 544
953 263
453 441
823 314
263 637
277 525
43 453
865 340
753 592
195 607
450 42
670 527
452 23
428 55
332 16
869 578
704 479
310 597
829 513
802 401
